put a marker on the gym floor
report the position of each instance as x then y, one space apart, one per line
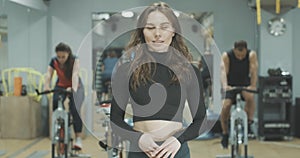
40 147
210 148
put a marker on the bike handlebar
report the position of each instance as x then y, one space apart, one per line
60 90
240 89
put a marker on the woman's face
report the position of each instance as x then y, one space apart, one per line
62 56
158 32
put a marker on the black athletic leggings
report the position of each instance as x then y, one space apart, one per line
76 100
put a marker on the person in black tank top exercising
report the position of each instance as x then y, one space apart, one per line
240 69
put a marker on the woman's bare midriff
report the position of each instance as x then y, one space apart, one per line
159 129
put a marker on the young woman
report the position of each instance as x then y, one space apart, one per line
157 81
66 66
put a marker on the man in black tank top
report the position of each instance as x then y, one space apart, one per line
239 69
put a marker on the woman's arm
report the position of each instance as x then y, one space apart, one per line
48 78
75 75
197 107
120 91
196 103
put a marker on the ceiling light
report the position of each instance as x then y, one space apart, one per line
101 16
127 14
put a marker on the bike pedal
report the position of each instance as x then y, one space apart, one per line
103 145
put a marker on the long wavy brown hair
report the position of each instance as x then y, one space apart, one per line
141 73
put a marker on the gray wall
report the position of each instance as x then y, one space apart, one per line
296 51
282 51
26 37
3 55
275 51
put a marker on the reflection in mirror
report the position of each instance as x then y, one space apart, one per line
202 57
3 42
108 38
206 20
197 29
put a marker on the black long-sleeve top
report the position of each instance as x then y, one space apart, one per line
159 99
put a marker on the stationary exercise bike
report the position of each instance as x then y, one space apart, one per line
107 96
62 143
111 143
238 127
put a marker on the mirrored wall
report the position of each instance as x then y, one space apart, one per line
3 42
111 32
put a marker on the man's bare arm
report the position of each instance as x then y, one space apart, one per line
224 70
253 69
